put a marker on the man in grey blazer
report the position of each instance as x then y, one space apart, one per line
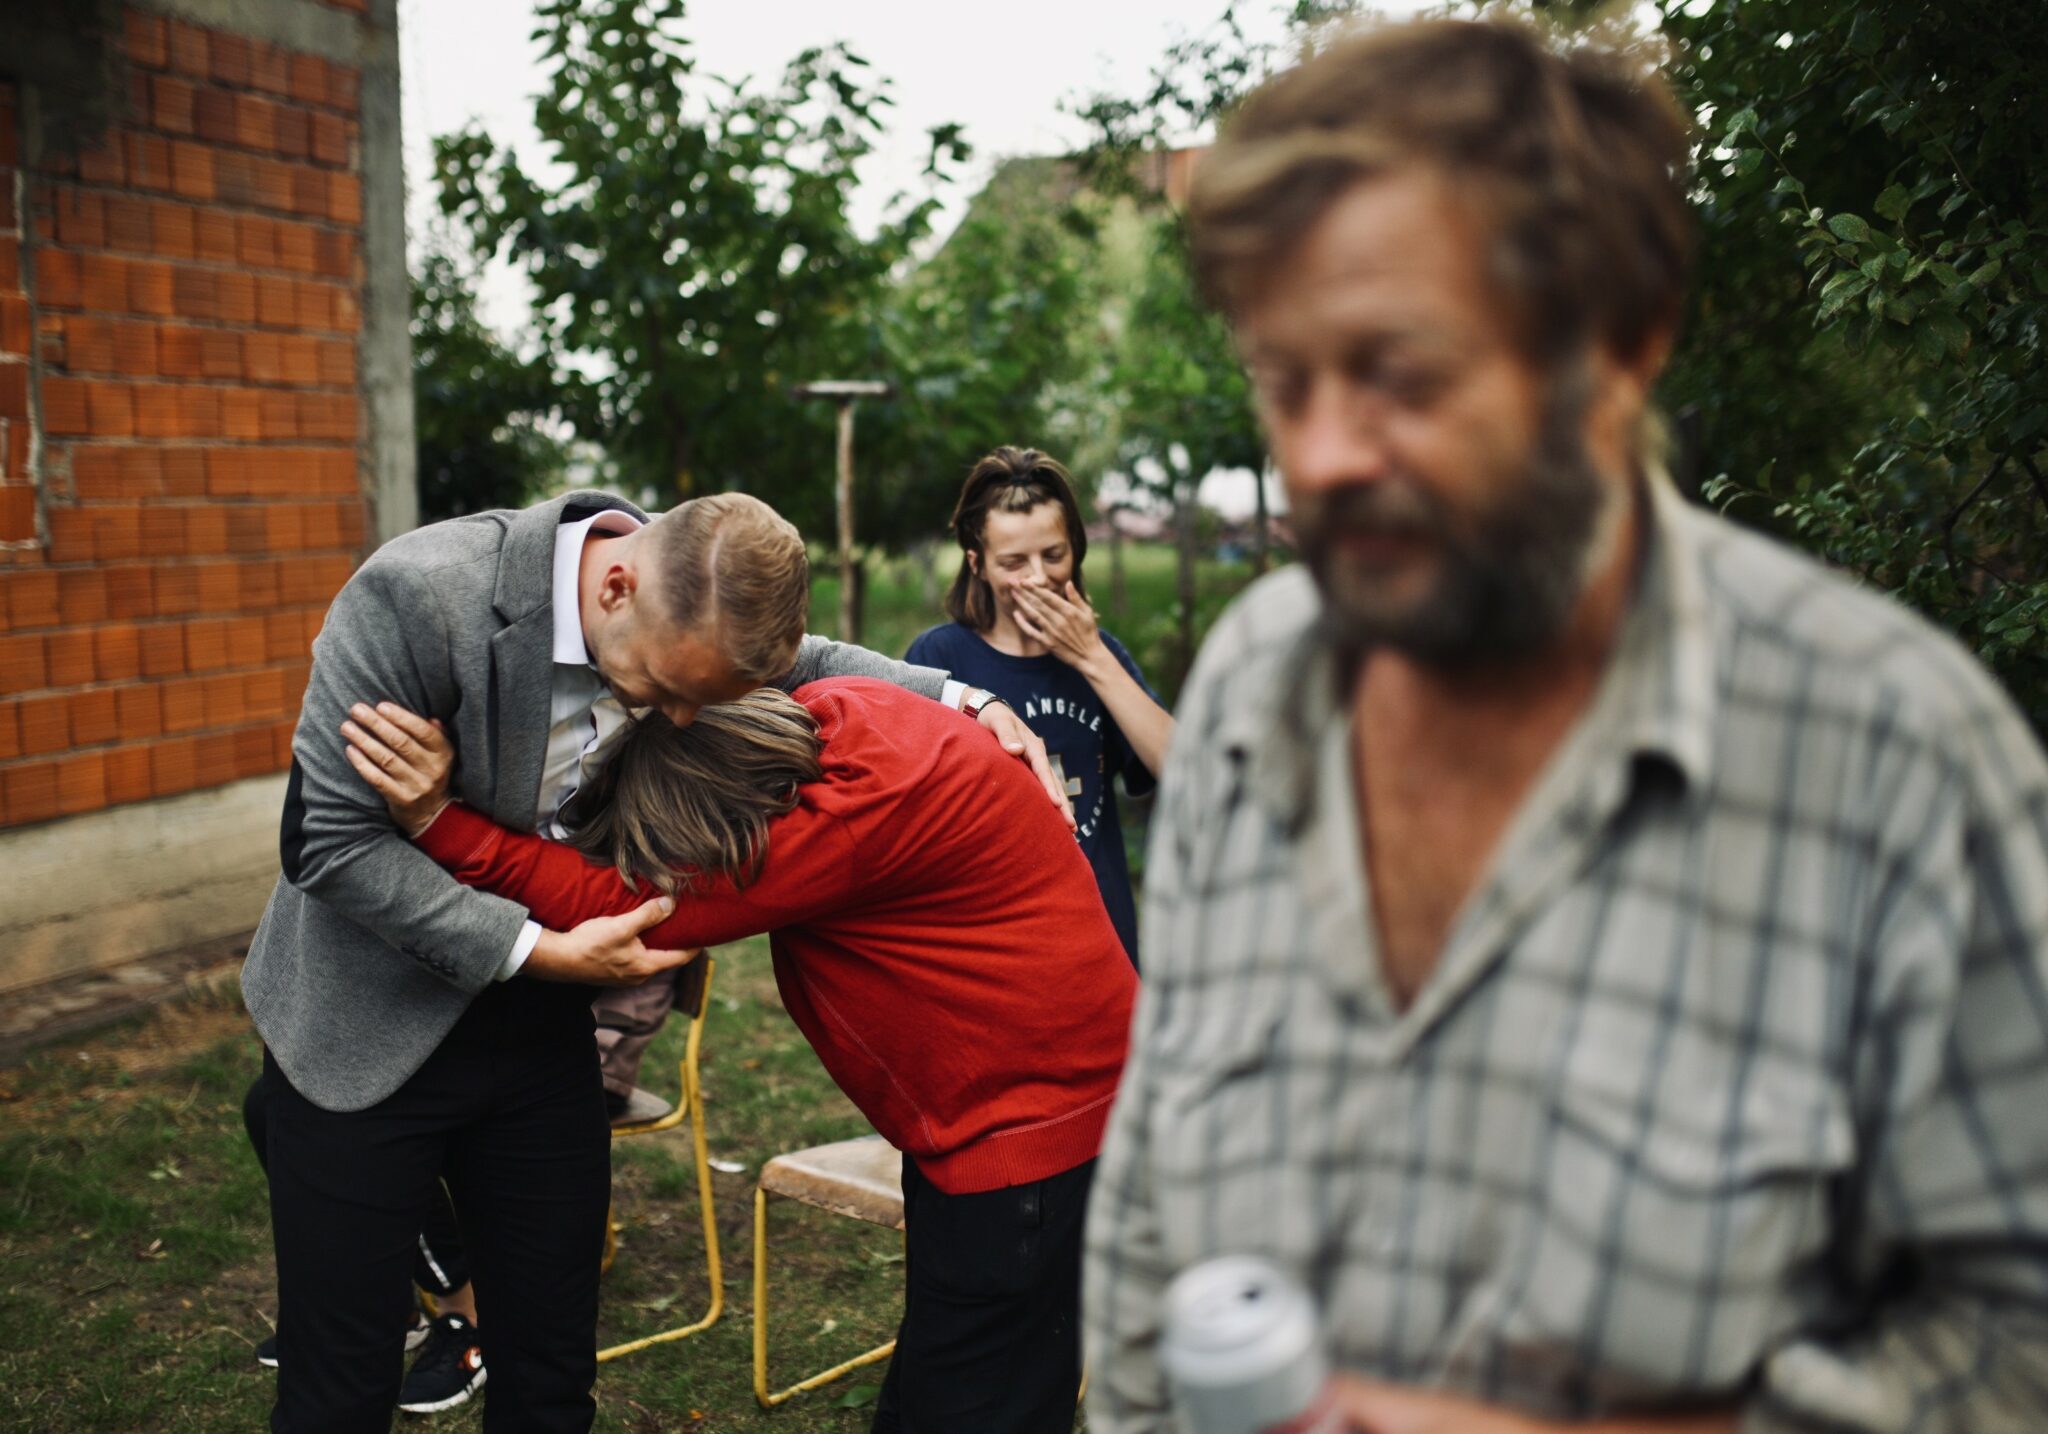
416 1029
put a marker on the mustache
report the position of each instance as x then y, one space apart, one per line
1388 507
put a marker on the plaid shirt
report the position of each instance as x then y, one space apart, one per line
1730 1084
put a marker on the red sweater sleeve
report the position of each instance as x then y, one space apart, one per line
809 871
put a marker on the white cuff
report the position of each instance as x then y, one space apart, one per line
953 694
529 937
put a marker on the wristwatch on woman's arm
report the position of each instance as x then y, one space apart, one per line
976 699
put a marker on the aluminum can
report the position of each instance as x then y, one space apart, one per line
1242 1351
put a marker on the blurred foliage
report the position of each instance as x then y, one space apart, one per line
697 259
478 410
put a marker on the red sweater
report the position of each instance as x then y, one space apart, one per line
938 935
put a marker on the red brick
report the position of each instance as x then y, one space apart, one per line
117 653
144 40
226 472
206 533
308 79
188 49
240 417
310 193
276 302
95 473
88 348
22 668
301 359
127 775
253 752
184 705
215 236
213 116
269 69
140 710
295 249
257 240
71 658
315 305
206 647
330 139
192 175
150 289
117 533
58 281
172 230
344 88
235 298
195 292
232 59
178 351
17 514
163 532
334 253
64 406
170 104
263 358
220 584
275 188
10 737
131 592
177 411
14 324
163 653
149 160
224 701
184 472
245 640
220 353
103 281
294 132
348 314
81 218
81 784
111 411
262 692
81 597
94 718
135 350
176 590
100 163
235 179
284 639
31 792
14 391
45 725
171 766
213 762
278 416
260 586
255 122
34 599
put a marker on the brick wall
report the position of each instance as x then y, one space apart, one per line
180 477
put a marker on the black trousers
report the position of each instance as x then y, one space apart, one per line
510 1110
438 1266
991 1338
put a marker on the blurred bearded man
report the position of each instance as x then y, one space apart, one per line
1597 951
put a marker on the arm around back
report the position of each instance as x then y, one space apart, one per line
385 639
821 657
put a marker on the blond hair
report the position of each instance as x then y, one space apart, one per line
1574 153
676 803
734 571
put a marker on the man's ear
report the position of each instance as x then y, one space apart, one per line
617 589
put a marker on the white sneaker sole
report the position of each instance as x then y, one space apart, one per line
460 1397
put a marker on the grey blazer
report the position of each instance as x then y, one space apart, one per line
368 952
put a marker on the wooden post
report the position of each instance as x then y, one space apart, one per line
845 393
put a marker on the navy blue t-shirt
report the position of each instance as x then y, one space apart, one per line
1086 746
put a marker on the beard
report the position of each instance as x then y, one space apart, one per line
1508 569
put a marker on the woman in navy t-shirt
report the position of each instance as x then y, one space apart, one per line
1022 628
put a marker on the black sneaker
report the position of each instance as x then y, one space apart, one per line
415 1335
450 1368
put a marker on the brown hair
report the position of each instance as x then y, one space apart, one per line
1575 152
677 802
1008 480
734 568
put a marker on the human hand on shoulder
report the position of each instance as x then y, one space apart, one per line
1023 743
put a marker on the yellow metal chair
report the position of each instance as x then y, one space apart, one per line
693 994
860 1179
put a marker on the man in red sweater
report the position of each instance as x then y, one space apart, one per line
937 936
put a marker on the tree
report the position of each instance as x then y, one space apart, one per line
698 259
479 412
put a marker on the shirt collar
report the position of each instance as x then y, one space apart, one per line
569 538
1657 699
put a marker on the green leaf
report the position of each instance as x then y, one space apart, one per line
1788 185
1747 161
1851 228
858 1397
1866 35
1742 122
1894 202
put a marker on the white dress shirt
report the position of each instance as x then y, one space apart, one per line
584 718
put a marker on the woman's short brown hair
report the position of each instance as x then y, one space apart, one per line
1007 480
1574 152
678 802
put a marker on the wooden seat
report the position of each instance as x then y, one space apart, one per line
858 1179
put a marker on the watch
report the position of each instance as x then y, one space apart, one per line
978 700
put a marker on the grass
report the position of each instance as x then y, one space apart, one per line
135 1265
